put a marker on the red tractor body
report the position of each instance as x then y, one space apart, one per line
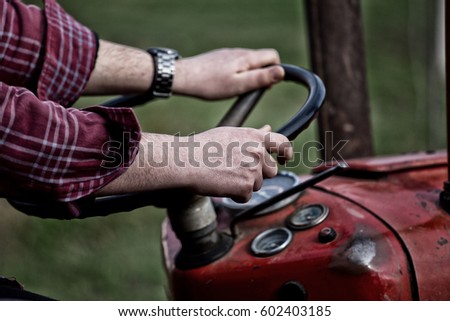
384 237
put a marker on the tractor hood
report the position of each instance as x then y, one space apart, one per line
375 232
403 193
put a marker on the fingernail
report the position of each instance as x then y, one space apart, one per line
277 74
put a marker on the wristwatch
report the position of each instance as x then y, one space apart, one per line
164 62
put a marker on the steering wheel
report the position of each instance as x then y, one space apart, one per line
236 116
300 121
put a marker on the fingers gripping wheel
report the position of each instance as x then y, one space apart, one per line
300 121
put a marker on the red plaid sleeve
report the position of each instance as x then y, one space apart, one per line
21 39
64 153
46 149
70 52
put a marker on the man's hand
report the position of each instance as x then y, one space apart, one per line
233 162
224 161
217 74
225 73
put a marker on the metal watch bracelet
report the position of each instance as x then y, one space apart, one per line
164 62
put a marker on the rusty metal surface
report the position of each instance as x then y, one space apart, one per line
407 200
364 262
392 242
398 162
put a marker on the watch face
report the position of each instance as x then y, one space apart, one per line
271 187
163 50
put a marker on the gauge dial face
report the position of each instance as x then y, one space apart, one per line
271 187
308 216
271 241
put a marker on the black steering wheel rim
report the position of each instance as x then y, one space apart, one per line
241 109
301 120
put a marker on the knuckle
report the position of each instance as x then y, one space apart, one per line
243 194
246 196
274 54
265 78
271 171
248 186
258 184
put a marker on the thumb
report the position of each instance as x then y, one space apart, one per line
261 77
277 73
267 128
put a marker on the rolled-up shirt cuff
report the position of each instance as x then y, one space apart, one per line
70 54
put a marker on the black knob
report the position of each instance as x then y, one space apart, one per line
292 291
327 234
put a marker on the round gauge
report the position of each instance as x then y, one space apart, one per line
271 187
308 216
271 241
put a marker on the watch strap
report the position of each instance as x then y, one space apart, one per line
164 63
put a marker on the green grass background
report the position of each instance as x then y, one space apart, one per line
119 257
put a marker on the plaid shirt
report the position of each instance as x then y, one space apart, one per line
47 150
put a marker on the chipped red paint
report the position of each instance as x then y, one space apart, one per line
392 241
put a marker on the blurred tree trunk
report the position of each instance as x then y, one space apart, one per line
433 38
337 53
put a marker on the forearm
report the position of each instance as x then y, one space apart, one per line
218 74
120 69
222 161
156 167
